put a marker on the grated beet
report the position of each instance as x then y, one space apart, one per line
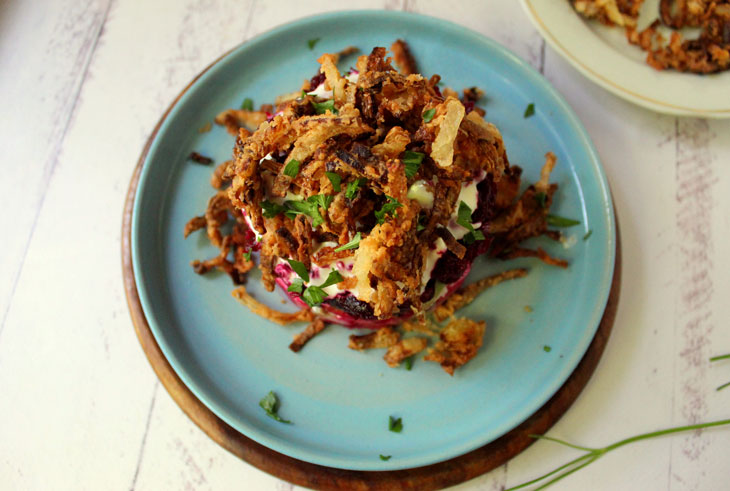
315 81
349 304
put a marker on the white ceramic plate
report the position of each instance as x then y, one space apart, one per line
603 55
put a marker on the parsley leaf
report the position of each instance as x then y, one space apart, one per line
412 161
313 42
247 104
310 207
299 268
313 295
323 107
409 363
464 216
541 197
388 208
428 115
294 208
335 179
547 349
323 200
530 110
464 219
353 244
472 237
588 234
332 279
420 226
557 221
384 457
353 187
269 404
247 255
292 168
271 209
297 285
395 425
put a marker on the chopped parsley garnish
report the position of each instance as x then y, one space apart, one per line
428 115
412 161
323 200
299 268
304 94
353 244
297 285
247 255
353 187
310 207
530 110
388 209
409 363
313 42
464 219
315 294
558 221
395 424
588 234
323 107
271 209
269 404
547 348
385 457
292 168
420 226
335 179
247 104
541 198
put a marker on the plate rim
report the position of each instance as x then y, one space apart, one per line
570 119
609 85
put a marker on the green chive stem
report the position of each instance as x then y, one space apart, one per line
593 454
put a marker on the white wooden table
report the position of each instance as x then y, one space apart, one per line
82 84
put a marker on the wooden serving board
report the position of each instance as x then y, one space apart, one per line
435 476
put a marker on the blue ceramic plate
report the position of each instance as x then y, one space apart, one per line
339 400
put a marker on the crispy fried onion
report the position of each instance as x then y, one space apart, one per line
466 295
281 318
405 348
526 218
459 342
238 243
385 337
307 334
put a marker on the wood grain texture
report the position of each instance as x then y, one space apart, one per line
436 476
43 72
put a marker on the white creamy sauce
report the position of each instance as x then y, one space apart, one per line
352 77
433 256
420 192
469 195
321 92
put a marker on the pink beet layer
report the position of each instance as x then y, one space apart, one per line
337 316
